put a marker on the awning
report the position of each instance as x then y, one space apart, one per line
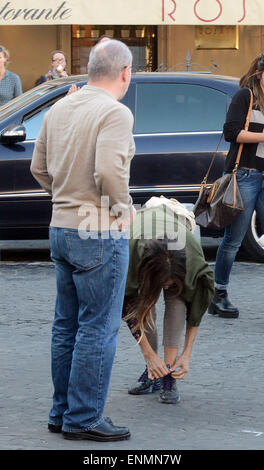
138 12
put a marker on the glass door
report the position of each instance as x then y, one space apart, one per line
142 40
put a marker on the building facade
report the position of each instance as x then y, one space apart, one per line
226 50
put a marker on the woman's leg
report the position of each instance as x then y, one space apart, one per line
250 184
173 326
144 385
260 213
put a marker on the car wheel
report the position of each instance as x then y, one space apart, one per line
253 242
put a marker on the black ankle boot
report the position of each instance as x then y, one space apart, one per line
222 306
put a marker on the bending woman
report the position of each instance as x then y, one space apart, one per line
160 261
249 178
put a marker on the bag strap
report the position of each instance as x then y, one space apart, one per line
240 146
212 161
245 128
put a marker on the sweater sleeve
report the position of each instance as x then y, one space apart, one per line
236 115
199 282
17 87
38 166
112 159
201 298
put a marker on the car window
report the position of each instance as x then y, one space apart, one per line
33 123
171 107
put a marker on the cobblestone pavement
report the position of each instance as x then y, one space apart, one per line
222 396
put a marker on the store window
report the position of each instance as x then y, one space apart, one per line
142 41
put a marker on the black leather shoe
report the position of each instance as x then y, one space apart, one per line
54 427
106 431
222 306
57 428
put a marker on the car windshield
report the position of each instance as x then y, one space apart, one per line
24 99
31 95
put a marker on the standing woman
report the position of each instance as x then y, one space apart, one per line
249 178
10 84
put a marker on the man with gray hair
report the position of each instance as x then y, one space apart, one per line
82 159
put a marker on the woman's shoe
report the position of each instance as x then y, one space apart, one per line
169 393
222 306
145 385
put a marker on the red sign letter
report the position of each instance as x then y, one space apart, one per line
171 13
213 19
244 12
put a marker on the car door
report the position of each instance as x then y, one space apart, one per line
177 129
23 203
7 172
33 206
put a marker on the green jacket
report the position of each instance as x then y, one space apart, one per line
199 281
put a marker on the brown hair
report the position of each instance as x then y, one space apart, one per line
251 80
158 265
58 52
6 54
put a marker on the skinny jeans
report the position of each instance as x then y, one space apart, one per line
250 183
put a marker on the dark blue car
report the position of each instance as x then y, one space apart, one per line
178 123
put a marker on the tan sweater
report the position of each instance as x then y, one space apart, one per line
83 152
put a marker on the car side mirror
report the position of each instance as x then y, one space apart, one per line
12 134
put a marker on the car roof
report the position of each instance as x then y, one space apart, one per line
154 75
221 82
203 78
204 75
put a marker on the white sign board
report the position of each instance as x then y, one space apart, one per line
136 12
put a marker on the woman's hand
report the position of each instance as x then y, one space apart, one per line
62 73
183 367
156 366
183 362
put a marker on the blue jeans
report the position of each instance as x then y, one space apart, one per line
91 277
250 183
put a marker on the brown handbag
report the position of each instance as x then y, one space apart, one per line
220 203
